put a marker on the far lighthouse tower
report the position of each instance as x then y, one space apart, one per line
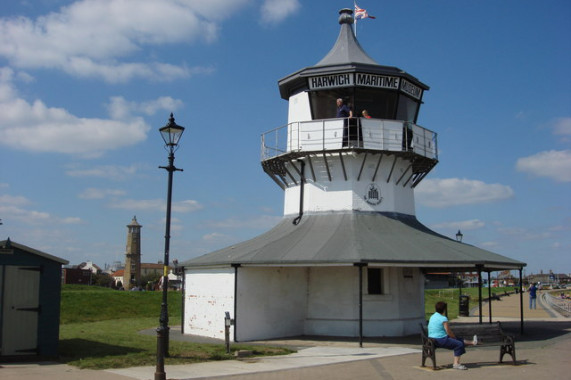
132 275
329 163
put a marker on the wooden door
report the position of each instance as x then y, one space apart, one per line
20 310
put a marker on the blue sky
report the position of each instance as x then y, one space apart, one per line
85 85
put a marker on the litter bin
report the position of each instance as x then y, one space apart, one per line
464 306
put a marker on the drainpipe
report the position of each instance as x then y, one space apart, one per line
298 218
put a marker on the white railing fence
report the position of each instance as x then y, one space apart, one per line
332 134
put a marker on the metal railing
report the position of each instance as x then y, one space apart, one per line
349 133
562 305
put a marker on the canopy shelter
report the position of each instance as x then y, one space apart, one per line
359 239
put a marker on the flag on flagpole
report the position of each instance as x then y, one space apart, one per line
361 13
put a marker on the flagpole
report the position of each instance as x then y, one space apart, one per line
355 25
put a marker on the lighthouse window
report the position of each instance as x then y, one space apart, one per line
407 109
374 280
380 104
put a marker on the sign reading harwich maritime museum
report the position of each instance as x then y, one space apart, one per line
324 82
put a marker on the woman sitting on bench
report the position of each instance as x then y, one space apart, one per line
439 330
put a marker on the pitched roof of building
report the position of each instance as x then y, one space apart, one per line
119 273
8 244
354 238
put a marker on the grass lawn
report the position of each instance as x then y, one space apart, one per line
100 329
451 297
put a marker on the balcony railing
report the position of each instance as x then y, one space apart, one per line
353 133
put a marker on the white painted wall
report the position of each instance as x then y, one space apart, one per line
400 310
278 302
341 195
271 302
298 107
209 294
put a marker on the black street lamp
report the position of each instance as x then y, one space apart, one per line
171 134
459 236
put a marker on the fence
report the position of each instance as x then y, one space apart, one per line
350 133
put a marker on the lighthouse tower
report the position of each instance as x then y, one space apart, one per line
326 162
132 274
349 256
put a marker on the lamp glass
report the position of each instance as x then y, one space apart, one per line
172 132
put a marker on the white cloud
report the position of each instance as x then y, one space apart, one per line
553 164
275 11
521 233
449 192
562 127
466 225
39 128
96 38
16 208
115 172
13 200
93 193
215 236
87 37
156 205
259 222
120 108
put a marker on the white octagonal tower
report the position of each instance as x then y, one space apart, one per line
357 163
349 257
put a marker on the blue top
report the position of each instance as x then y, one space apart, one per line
343 111
436 326
532 291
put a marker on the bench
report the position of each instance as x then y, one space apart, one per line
489 334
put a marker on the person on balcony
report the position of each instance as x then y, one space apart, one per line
365 114
343 110
350 133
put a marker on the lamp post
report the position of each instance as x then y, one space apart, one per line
459 236
171 134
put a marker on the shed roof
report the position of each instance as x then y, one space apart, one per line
356 238
8 244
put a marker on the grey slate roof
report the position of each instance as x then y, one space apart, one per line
346 56
346 49
352 238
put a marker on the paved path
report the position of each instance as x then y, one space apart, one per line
508 308
542 352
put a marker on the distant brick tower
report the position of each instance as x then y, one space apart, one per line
132 276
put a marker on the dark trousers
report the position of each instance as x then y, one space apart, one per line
452 344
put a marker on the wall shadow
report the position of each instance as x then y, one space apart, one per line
73 349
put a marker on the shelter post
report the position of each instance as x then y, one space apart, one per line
479 267
360 266
489 298
236 266
521 300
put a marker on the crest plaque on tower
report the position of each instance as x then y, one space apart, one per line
373 195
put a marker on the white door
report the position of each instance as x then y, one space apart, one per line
20 310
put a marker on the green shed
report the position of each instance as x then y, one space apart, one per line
30 293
